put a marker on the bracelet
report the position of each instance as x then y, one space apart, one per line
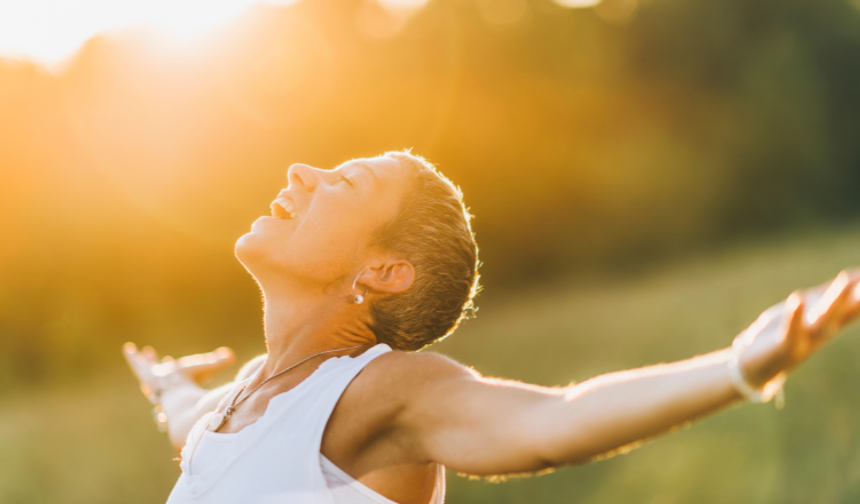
770 390
163 383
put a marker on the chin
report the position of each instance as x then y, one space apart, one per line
256 244
258 254
249 249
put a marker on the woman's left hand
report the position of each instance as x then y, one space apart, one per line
788 333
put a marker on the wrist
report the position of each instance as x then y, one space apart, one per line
756 391
162 392
166 384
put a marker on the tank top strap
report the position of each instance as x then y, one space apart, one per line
331 380
285 441
325 385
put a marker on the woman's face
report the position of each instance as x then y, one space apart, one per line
322 223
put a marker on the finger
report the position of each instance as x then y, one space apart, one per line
824 317
129 351
794 311
812 295
224 358
132 356
852 308
795 332
852 305
209 363
825 301
226 353
150 354
189 361
222 355
138 363
201 367
853 273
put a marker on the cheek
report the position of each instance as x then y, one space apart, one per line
324 248
327 250
334 248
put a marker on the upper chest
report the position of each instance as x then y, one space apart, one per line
250 403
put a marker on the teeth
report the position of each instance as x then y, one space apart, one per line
277 211
283 208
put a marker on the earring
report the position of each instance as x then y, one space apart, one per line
358 298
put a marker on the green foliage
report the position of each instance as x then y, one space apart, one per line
581 146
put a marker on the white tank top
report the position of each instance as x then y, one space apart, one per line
277 459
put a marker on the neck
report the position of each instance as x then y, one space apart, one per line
301 322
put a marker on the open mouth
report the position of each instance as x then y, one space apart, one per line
284 208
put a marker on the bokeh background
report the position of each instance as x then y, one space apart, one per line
646 175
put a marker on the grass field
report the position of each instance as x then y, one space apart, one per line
94 442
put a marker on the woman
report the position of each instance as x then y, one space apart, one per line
361 265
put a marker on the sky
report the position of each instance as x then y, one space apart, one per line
50 31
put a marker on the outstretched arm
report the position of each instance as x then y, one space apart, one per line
485 426
176 384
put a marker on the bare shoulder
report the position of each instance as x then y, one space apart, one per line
373 404
389 382
422 363
404 372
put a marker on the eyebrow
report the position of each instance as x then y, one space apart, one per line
369 170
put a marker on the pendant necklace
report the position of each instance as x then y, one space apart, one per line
219 419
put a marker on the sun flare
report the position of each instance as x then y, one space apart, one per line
50 31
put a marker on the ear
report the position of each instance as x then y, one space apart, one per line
391 276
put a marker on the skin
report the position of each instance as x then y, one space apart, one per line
405 413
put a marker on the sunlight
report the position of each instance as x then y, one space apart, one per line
577 4
50 31
383 19
190 18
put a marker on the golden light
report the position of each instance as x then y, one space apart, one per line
577 4
386 18
50 31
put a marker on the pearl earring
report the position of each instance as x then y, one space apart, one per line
358 298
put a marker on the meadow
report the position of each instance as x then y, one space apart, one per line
92 441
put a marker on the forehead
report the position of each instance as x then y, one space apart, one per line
384 171
384 182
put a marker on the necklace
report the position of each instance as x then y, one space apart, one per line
219 419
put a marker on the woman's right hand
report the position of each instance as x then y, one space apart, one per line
152 371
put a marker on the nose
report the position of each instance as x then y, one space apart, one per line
303 176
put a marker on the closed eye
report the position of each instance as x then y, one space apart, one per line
348 181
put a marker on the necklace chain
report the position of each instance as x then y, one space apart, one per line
233 404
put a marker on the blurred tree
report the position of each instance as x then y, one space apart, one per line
583 139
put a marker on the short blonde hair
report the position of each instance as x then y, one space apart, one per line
433 232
